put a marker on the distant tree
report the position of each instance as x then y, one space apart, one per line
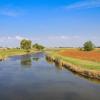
17 48
38 47
35 46
26 44
88 46
81 49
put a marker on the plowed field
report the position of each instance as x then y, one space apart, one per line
92 56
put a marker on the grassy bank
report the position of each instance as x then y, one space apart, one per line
86 68
79 62
12 52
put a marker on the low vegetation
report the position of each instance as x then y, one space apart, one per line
38 47
10 52
88 46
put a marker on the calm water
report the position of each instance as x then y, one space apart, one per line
31 77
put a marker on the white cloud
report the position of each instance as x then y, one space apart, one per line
11 41
10 38
20 38
84 4
63 37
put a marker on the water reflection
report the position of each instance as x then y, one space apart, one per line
3 59
36 59
38 55
48 60
26 60
86 78
56 64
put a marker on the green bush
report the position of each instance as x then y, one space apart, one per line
88 46
38 46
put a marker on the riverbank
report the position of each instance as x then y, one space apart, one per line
4 54
90 69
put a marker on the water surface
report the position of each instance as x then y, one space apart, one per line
32 77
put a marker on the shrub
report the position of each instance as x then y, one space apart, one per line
38 47
88 46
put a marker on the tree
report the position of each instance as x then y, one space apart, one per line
26 44
38 47
35 46
88 46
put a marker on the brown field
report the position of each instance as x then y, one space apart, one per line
75 53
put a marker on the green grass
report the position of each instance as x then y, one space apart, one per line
78 62
11 52
83 63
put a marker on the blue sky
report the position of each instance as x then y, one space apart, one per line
50 22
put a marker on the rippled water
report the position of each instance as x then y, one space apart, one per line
32 77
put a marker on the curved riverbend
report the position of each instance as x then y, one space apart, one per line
32 77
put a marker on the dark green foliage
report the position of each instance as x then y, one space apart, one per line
88 46
38 47
25 44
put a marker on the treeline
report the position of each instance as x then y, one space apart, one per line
28 45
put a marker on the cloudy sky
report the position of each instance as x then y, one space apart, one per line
49 22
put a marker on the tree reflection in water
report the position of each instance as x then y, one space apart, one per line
59 67
48 60
36 59
37 56
26 60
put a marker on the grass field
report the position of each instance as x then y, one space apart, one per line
12 52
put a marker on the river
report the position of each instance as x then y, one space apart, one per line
32 77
